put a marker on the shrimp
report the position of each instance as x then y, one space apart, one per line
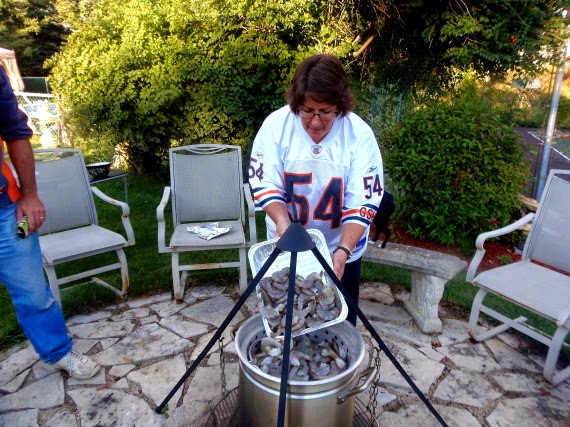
328 296
281 276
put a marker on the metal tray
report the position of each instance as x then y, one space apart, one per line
306 263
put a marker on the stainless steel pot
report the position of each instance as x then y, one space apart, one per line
326 403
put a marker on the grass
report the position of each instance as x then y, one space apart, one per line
150 271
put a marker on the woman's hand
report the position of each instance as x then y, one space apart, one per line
278 213
339 261
282 226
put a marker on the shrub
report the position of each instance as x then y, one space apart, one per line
140 76
456 169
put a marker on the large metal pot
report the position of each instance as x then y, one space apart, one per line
326 403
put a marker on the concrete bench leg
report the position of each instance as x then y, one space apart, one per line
423 304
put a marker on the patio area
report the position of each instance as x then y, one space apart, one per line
146 345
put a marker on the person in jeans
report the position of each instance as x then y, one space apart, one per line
21 269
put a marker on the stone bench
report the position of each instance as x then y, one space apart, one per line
430 272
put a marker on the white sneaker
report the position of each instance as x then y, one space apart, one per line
372 242
75 364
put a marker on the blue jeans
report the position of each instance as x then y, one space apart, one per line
21 271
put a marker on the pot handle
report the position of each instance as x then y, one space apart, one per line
367 375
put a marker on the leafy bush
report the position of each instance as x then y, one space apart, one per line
141 76
456 169
382 106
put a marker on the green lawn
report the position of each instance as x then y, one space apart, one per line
150 271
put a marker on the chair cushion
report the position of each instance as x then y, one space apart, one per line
182 239
532 286
78 243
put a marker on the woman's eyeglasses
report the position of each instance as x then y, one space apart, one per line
323 115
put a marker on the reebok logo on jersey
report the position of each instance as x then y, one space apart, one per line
372 169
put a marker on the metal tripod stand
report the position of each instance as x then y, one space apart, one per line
295 240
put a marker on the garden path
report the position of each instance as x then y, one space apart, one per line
146 345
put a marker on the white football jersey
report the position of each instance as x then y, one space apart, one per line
338 181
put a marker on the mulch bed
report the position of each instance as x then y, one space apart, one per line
496 253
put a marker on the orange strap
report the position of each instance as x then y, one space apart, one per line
13 191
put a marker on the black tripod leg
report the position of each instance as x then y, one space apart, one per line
222 327
287 343
354 306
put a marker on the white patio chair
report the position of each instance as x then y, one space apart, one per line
71 229
538 282
206 185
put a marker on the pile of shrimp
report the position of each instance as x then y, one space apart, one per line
309 361
314 302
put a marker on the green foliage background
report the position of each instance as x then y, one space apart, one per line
139 76
457 168
143 75
32 29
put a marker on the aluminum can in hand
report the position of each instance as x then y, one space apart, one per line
23 228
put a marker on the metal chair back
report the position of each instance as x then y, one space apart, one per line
549 239
63 186
206 182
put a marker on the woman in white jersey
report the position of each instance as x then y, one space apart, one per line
317 149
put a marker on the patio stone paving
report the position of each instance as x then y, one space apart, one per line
146 345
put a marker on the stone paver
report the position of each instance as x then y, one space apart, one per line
375 311
509 358
15 364
207 291
156 380
35 396
518 383
411 335
467 388
185 328
423 370
212 311
113 407
453 331
62 419
417 415
470 357
16 382
531 412
377 292
88 318
20 418
166 309
103 329
146 345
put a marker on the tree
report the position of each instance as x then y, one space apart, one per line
143 75
30 28
424 41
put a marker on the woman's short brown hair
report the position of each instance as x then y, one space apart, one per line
323 79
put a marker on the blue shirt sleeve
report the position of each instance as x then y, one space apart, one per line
13 121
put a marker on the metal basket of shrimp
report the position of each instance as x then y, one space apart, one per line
318 302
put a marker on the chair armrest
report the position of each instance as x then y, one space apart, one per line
250 214
480 242
125 216
161 221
